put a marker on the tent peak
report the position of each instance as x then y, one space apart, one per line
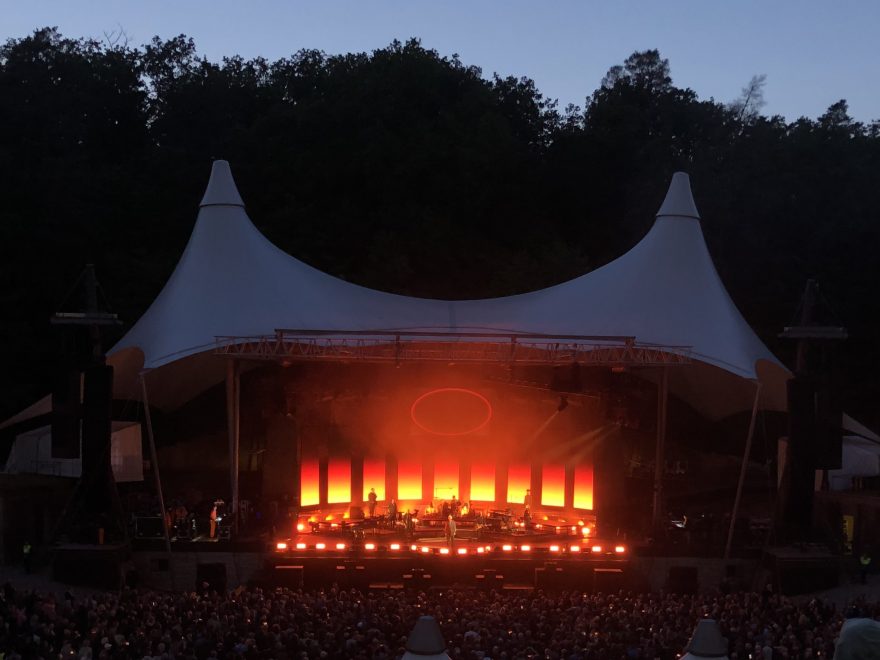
221 190
679 200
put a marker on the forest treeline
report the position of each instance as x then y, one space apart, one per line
410 171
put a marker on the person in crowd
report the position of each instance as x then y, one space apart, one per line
371 502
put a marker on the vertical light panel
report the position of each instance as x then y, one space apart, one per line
445 480
553 485
374 477
519 479
583 486
483 482
338 480
409 480
309 494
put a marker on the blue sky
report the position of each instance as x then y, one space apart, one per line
813 53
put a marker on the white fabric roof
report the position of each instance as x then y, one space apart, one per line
231 281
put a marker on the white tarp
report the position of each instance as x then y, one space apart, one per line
231 281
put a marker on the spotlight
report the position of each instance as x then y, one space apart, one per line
585 531
395 546
554 548
597 548
481 550
574 548
444 551
426 549
369 546
507 548
281 545
340 546
619 549
413 547
300 546
300 527
525 548
462 551
320 546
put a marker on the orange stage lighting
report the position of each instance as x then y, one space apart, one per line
525 548
369 546
444 551
483 482
308 482
426 549
462 551
395 546
281 545
619 549
553 485
413 547
409 480
338 480
445 479
300 546
519 479
320 546
340 546
300 527
481 550
574 548
583 486
374 477
596 548
507 548
554 548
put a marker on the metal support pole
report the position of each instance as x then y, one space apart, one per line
660 454
742 471
233 423
154 459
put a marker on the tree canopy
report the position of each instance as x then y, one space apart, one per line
410 171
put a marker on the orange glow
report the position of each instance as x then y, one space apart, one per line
369 546
395 546
507 548
300 527
619 549
585 531
481 550
583 486
374 477
597 548
340 546
308 482
462 551
426 549
281 545
409 480
525 548
553 485
483 482
445 480
444 551
575 548
451 411
338 480
519 479
300 546
554 548
320 546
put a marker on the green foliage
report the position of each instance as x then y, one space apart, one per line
408 171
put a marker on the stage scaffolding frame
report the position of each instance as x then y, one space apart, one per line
397 346
452 347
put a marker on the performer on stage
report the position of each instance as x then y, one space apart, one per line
450 530
213 530
371 499
455 507
392 512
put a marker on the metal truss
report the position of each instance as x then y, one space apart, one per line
396 347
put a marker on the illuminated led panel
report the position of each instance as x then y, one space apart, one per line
308 482
445 480
374 477
483 482
583 486
409 480
519 478
338 480
553 485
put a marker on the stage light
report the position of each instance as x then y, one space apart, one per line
426 549
597 548
340 546
413 547
329 517
574 548
320 546
395 546
581 523
462 551
585 531
300 546
525 548
507 548
444 551
334 525
369 546
481 550
574 528
619 549
554 548
300 527
281 545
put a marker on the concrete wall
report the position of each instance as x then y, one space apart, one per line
183 568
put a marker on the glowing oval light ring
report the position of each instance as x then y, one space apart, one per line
477 395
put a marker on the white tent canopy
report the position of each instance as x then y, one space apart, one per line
231 281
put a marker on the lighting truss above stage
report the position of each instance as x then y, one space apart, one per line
390 346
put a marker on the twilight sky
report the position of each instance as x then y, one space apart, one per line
814 52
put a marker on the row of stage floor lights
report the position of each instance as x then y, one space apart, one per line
497 548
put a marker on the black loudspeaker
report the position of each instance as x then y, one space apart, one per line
683 580
97 420
815 420
66 411
211 577
356 512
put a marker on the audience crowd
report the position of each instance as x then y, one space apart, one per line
254 623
